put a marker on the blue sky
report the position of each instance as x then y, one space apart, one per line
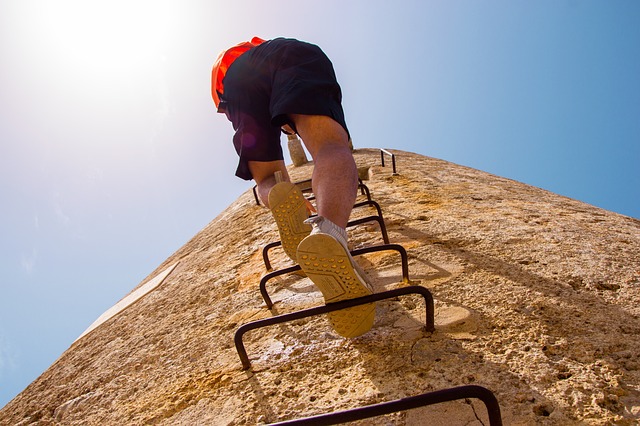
111 155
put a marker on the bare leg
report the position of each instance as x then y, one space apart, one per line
264 175
287 204
335 175
324 255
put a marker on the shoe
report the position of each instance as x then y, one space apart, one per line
324 257
289 210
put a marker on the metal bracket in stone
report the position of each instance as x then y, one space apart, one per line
393 159
331 307
383 408
395 247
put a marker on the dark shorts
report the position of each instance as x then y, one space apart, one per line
269 82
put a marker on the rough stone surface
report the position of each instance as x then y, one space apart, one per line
536 299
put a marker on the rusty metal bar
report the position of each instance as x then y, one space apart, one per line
265 253
364 190
383 227
269 276
255 195
304 185
393 159
331 307
430 398
397 247
383 231
379 219
369 203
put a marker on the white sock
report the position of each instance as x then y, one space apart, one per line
325 226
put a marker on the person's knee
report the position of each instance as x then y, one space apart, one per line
319 132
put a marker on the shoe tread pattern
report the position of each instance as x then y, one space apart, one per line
327 263
289 210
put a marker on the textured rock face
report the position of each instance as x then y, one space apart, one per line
536 296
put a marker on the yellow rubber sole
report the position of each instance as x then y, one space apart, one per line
327 263
289 210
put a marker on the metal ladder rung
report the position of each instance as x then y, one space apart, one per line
349 303
364 190
355 222
357 252
383 408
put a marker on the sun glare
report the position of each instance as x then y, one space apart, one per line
103 36
92 80
101 49
99 64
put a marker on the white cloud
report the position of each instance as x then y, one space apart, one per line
58 212
62 217
28 262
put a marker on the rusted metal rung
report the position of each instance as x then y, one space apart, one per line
393 159
383 227
430 398
331 307
369 203
364 190
383 231
379 219
269 276
305 186
265 253
358 252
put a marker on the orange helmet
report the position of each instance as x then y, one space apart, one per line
224 60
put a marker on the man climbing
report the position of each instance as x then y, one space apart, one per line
264 87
